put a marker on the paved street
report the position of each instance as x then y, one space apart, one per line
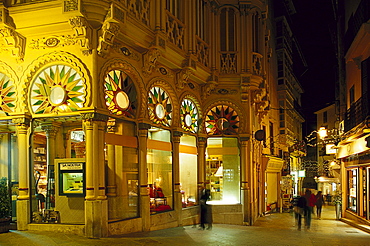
275 229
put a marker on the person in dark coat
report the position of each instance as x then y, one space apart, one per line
299 204
319 203
205 210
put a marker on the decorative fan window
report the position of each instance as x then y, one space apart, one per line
120 94
222 120
58 88
7 92
189 116
160 107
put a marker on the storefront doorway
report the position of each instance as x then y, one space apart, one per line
223 170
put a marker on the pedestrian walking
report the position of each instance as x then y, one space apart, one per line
299 204
205 210
310 204
319 202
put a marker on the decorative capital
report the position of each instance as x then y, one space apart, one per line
208 88
94 117
50 129
177 133
144 126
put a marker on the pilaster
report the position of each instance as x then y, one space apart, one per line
176 136
202 142
144 196
96 205
23 203
246 181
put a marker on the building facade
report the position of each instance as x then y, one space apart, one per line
116 115
353 152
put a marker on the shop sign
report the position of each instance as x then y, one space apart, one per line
71 166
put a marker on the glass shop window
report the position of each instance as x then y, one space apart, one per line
352 190
223 170
160 175
188 170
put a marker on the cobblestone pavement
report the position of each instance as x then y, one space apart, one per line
275 229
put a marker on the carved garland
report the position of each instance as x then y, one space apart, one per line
55 58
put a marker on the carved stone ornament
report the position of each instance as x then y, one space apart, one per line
109 32
150 61
10 40
208 88
94 117
182 78
83 33
82 36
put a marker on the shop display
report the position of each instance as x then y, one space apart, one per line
215 178
158 201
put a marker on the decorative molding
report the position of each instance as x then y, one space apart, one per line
82 36
224 91
10 40
83 33
183 77
150 61
109 31
72 5
208 88
94 117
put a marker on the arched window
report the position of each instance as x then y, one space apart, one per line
159 106
120 94
189 116
7 91
222 120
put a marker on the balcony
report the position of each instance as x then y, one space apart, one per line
361 16
357 113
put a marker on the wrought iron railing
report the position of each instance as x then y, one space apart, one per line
357 113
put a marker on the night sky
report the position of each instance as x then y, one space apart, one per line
311 27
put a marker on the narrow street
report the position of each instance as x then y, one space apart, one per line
274 229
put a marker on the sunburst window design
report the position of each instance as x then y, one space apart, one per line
189 116
58 88
222 120
159 105
120 94
7 92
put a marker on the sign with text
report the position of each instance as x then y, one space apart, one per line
71 166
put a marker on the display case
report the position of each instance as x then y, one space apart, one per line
71 179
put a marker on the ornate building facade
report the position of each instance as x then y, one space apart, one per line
116 115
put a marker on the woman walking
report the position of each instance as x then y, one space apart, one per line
319 203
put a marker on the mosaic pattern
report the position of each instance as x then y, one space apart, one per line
7 99
222 120
189 116
58 88
120 94
159 106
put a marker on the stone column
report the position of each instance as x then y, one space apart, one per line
23 199
202 142
143 175
176 135
245 164
96 206
51 130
